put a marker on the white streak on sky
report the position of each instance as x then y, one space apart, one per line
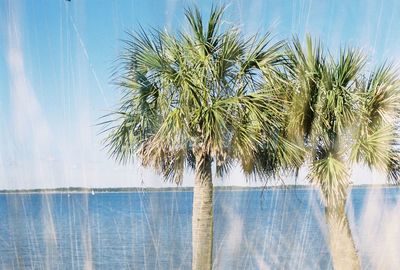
82 44
30 128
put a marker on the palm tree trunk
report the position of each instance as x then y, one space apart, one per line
202 219
343 251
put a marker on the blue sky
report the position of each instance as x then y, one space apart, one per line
56 59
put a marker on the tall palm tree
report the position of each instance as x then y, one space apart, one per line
343 117
200 99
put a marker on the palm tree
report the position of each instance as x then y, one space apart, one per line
200 99
342 117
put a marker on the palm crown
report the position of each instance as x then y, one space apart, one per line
208 91
342 115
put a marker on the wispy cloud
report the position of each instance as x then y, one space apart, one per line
29 126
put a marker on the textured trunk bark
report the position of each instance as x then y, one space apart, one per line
342 247
202 219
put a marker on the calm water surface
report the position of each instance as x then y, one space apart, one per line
254 229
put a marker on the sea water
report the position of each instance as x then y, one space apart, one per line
253 229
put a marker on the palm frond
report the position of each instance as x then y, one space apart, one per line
330 174
374 147
382 97
393 167
306 66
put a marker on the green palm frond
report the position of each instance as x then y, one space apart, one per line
331 175
393 167
382 97
338 94
286 159
375 138
306 67
348 67
374 147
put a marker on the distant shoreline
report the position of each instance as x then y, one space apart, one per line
74 190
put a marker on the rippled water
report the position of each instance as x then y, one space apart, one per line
254 229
